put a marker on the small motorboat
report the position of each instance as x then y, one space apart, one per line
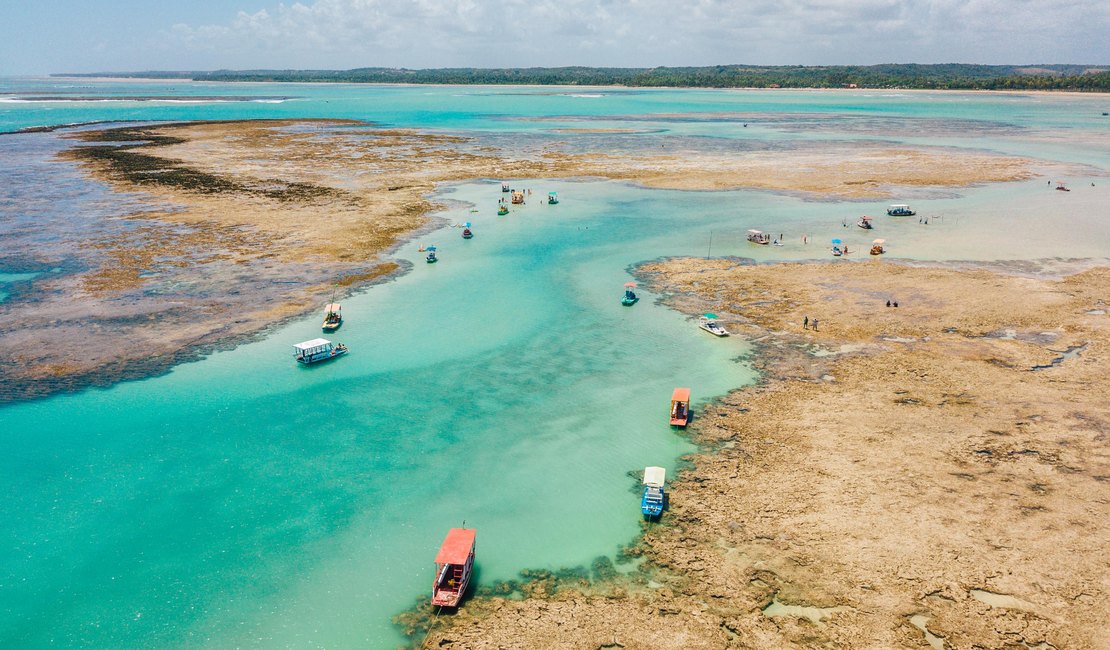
680 407
431 258
333 317
467 233
709 324
317 350
865 222
1062 187
877 247
654 498
552 198
836 251
630 298
504 186
454 565
502 210
759 237
900 210
517 197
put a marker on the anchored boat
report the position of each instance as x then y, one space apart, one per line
709 324
431 258
900 210
680 407
467 233
877 247
454 564
651 504
318 350
504 186
630 298
865 222
333 317
518 197
759 237
552 198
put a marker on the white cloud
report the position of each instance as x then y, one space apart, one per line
510 33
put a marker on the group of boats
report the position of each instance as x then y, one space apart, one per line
516 197
454 561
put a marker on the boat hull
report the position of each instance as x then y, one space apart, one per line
317 358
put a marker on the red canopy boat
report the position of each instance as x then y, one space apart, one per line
454 563
680 407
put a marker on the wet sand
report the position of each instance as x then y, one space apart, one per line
932 474
247 223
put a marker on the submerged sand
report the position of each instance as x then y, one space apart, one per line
932 474
247 223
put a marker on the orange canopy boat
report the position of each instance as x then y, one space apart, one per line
680 407
454 564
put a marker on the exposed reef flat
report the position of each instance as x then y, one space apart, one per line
935 473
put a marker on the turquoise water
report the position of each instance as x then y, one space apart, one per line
245 501
9 279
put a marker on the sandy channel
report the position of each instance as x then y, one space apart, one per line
931 475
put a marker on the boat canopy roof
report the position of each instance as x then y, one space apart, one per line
456 546
681 394
332 306
865 218
755 232
314 343
654 476
879 241
552 193
899 205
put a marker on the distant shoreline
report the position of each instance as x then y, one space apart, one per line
1077 93
943 76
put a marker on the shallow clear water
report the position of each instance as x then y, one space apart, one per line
243 500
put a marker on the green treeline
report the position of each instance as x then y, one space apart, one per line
951 76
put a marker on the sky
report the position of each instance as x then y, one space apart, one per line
53 36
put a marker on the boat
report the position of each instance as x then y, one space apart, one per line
630 298
836 251
865 222
431 258
877 247
552 198
651 504
709 324
467 233
333 317
318 350
900 210
518 197
502 209
504 186
759 237
680 407
1062 187
454 564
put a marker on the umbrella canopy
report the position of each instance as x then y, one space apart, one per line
708 315
836 241
429 248
879 242
466 225
629 284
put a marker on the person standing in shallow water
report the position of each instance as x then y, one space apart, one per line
805 323
814 324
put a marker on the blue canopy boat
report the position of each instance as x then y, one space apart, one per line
654 496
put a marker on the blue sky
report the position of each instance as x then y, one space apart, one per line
38 37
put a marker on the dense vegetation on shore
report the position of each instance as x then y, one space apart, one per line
954 76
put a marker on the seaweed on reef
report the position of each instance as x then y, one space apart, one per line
140 168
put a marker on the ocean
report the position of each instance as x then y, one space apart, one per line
242 500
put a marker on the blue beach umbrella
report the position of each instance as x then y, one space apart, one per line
430 248
836 241
466 225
